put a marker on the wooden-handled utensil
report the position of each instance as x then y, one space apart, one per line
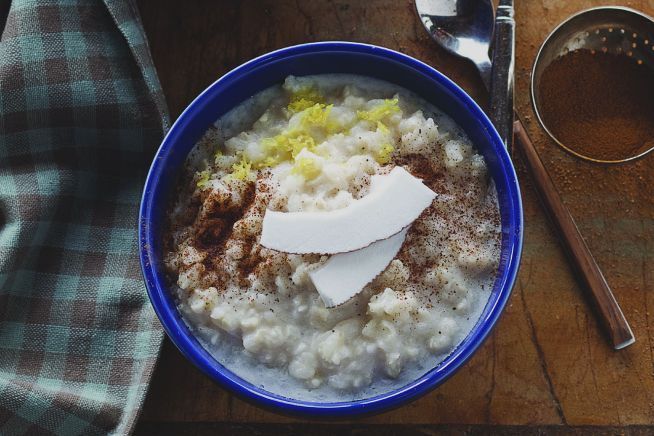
580 256
468 21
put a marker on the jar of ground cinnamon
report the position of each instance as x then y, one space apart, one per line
599 105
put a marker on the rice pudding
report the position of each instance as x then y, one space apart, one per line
314 144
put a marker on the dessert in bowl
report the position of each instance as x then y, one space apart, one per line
332 228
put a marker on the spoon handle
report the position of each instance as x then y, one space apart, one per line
502 77
589 272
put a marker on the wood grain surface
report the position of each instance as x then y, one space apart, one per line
585 268
547 362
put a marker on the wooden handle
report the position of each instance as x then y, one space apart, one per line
612 317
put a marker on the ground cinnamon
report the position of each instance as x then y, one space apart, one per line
599 105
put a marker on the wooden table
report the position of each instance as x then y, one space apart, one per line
546 366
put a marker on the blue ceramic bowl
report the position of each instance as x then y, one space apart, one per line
261 73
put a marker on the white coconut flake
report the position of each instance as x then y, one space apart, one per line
395 200
344 275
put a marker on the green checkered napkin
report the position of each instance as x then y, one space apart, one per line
81 113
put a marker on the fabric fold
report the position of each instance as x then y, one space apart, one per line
81 114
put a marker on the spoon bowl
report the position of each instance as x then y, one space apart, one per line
462 27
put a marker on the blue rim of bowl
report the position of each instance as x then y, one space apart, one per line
180 334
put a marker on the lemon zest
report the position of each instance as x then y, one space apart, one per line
217 155
316 115
287 145
384 154
306 167
277 150
301 142
382 128
241 170
300 105
380 111
203 179
304 98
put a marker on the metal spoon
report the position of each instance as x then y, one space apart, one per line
465 28
445 20
462 27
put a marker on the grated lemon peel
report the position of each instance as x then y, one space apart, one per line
301 142
383 156
381 127
307 168
380 111
204 178
217 155
241 170
304 98
315 116
287 145
308 104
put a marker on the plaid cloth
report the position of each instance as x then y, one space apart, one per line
81 113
